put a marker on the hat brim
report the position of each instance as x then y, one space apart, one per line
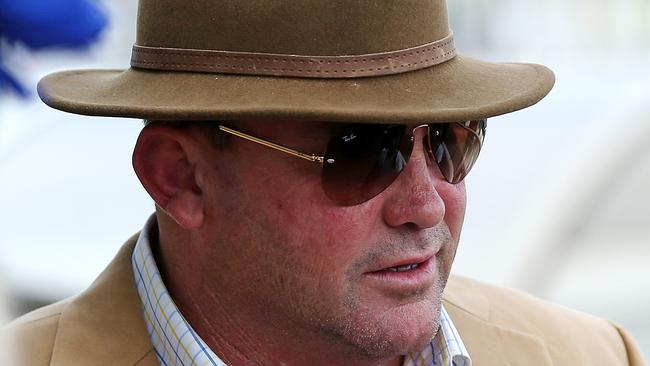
460 89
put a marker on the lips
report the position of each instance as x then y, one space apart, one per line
402 265
403 278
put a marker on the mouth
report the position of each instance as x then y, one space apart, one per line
404 268
404 277
403 265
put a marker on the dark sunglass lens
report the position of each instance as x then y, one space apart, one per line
456 147
362 162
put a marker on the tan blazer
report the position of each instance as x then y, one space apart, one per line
104 326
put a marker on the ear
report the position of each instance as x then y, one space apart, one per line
163 162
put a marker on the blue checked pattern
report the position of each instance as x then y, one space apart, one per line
446 348
176 343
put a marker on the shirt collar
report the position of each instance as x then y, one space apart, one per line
176 343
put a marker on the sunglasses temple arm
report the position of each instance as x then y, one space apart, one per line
284 149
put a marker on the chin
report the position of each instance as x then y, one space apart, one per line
415 328
401 330
399 327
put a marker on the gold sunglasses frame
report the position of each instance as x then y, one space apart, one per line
284 149
321 159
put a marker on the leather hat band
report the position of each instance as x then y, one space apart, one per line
250 63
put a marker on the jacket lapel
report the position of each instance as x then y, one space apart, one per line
104 325
490 344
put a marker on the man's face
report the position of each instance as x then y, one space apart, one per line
275 247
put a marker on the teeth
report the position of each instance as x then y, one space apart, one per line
404 268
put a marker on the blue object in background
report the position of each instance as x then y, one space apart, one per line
41 24
7 82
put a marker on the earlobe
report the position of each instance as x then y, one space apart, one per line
185 209
162 162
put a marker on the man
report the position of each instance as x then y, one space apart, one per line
307 164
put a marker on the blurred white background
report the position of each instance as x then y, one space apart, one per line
558 203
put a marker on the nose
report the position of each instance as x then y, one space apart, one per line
414 198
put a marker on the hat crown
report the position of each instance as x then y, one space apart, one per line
305 27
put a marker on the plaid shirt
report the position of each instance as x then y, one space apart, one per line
176 343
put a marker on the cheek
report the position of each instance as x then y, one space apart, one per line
295 204
329 236
302 257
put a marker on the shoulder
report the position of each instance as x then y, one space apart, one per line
103 325
562 330
515 309
31 336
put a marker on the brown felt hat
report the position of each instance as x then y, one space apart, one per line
329 60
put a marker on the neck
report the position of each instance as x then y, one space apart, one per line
239 340
241 334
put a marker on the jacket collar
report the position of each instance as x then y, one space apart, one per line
486 342
105 325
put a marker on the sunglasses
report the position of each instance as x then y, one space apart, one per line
363 161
